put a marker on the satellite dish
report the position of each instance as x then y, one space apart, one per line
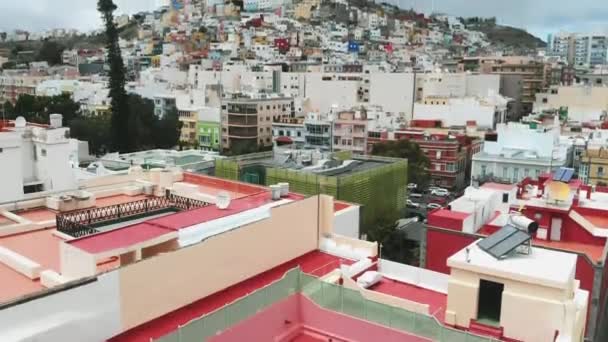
222 200
558 191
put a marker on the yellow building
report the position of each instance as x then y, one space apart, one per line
189 119
594 166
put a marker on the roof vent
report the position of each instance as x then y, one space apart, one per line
275 191
284 189
222 200
20 122
56 120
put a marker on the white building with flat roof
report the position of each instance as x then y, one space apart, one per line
486 112
520 151
36 159
584 103
529 296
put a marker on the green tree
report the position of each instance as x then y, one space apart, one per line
168 130
51 52
8 65
95 130
418 163
37 109
123 139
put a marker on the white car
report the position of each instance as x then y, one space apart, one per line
440 192
411 204
433 206
412 186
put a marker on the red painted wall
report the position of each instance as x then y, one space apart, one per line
571 231
444 222
442 244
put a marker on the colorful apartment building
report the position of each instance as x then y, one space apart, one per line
247 120
450 155
350 132
208 129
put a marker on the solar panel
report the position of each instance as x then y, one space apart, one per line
509 244
559 173
503 241
567 176
497 237
563 174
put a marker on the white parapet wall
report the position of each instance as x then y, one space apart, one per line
346 222
420 277
349 248
50 278
87 312
386 299
20 263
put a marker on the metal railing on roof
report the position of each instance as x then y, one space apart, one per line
85 222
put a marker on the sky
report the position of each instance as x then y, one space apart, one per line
539 17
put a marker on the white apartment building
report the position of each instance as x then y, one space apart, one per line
584 103
36 159
519 151
318 131
289 132
486 112
456 85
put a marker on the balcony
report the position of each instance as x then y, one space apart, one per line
349 133
243 132
239 120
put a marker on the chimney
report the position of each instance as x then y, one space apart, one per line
56 120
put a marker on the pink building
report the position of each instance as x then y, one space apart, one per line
350 132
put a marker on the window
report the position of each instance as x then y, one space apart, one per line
299 135
42 152
505 197
516 173
537 173
600 171
30 189
438 154
505 172
526 173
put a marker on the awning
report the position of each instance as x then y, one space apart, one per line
284 140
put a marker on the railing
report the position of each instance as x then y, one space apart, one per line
350 302
211 324
328 296
82 223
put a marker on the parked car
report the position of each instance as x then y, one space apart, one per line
440 192
412 186
411 204
433 206
414 195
